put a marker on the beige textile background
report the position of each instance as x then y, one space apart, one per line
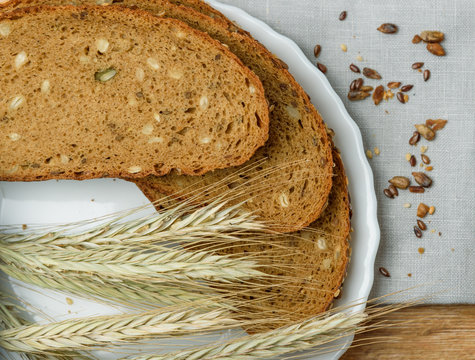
447 267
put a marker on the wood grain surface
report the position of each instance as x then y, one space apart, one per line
434 332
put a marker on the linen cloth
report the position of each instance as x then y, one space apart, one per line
447 267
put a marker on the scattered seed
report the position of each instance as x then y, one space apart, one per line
422 179
425 159
371 73
17 101
359 58
400 97
21 59
417 65
394 84
357 95
388 28
426 74
422 210
388 193
416 39
432 210
425 131
429 168
316 50
410 275
342 16
69 301
413 161
384 272
414 138
378 94
369 154
437 124
418 232
421 250
105 75
354 68
406 88
407 205
356 84
421 225
432 36
401 182
343 47
421 165
366 88
393 190
423 149
322 67
406 98
436 49
416 189
408 157
377 151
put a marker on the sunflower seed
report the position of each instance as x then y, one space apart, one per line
425 159
384 272
371 73
322 67
388 193
437 124
421 224
400 97
414 138
316 50
366 88
426 74
422 179
417 65
388 28
378 94
406 88
416 189
425 131
418 232
401 182
436 49
354 68
393 190
357 95
393 84
412 161
432 36
105 75
342 16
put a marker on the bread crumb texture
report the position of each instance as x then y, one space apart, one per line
93 92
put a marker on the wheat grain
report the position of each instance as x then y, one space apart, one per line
298 337
87 333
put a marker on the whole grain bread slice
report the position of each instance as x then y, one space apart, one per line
310 275
296 134
91 92
316 268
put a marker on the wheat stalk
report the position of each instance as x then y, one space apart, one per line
168 266
178 223
298 337
87 333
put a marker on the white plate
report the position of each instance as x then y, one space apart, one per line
64 201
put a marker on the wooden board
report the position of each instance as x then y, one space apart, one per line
436 332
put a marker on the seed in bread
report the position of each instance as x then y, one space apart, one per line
70 89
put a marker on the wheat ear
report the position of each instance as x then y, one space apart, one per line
168 266
87 333
173 224
298 337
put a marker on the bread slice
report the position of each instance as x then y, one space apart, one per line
314 271
296 133
91 92
317 268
